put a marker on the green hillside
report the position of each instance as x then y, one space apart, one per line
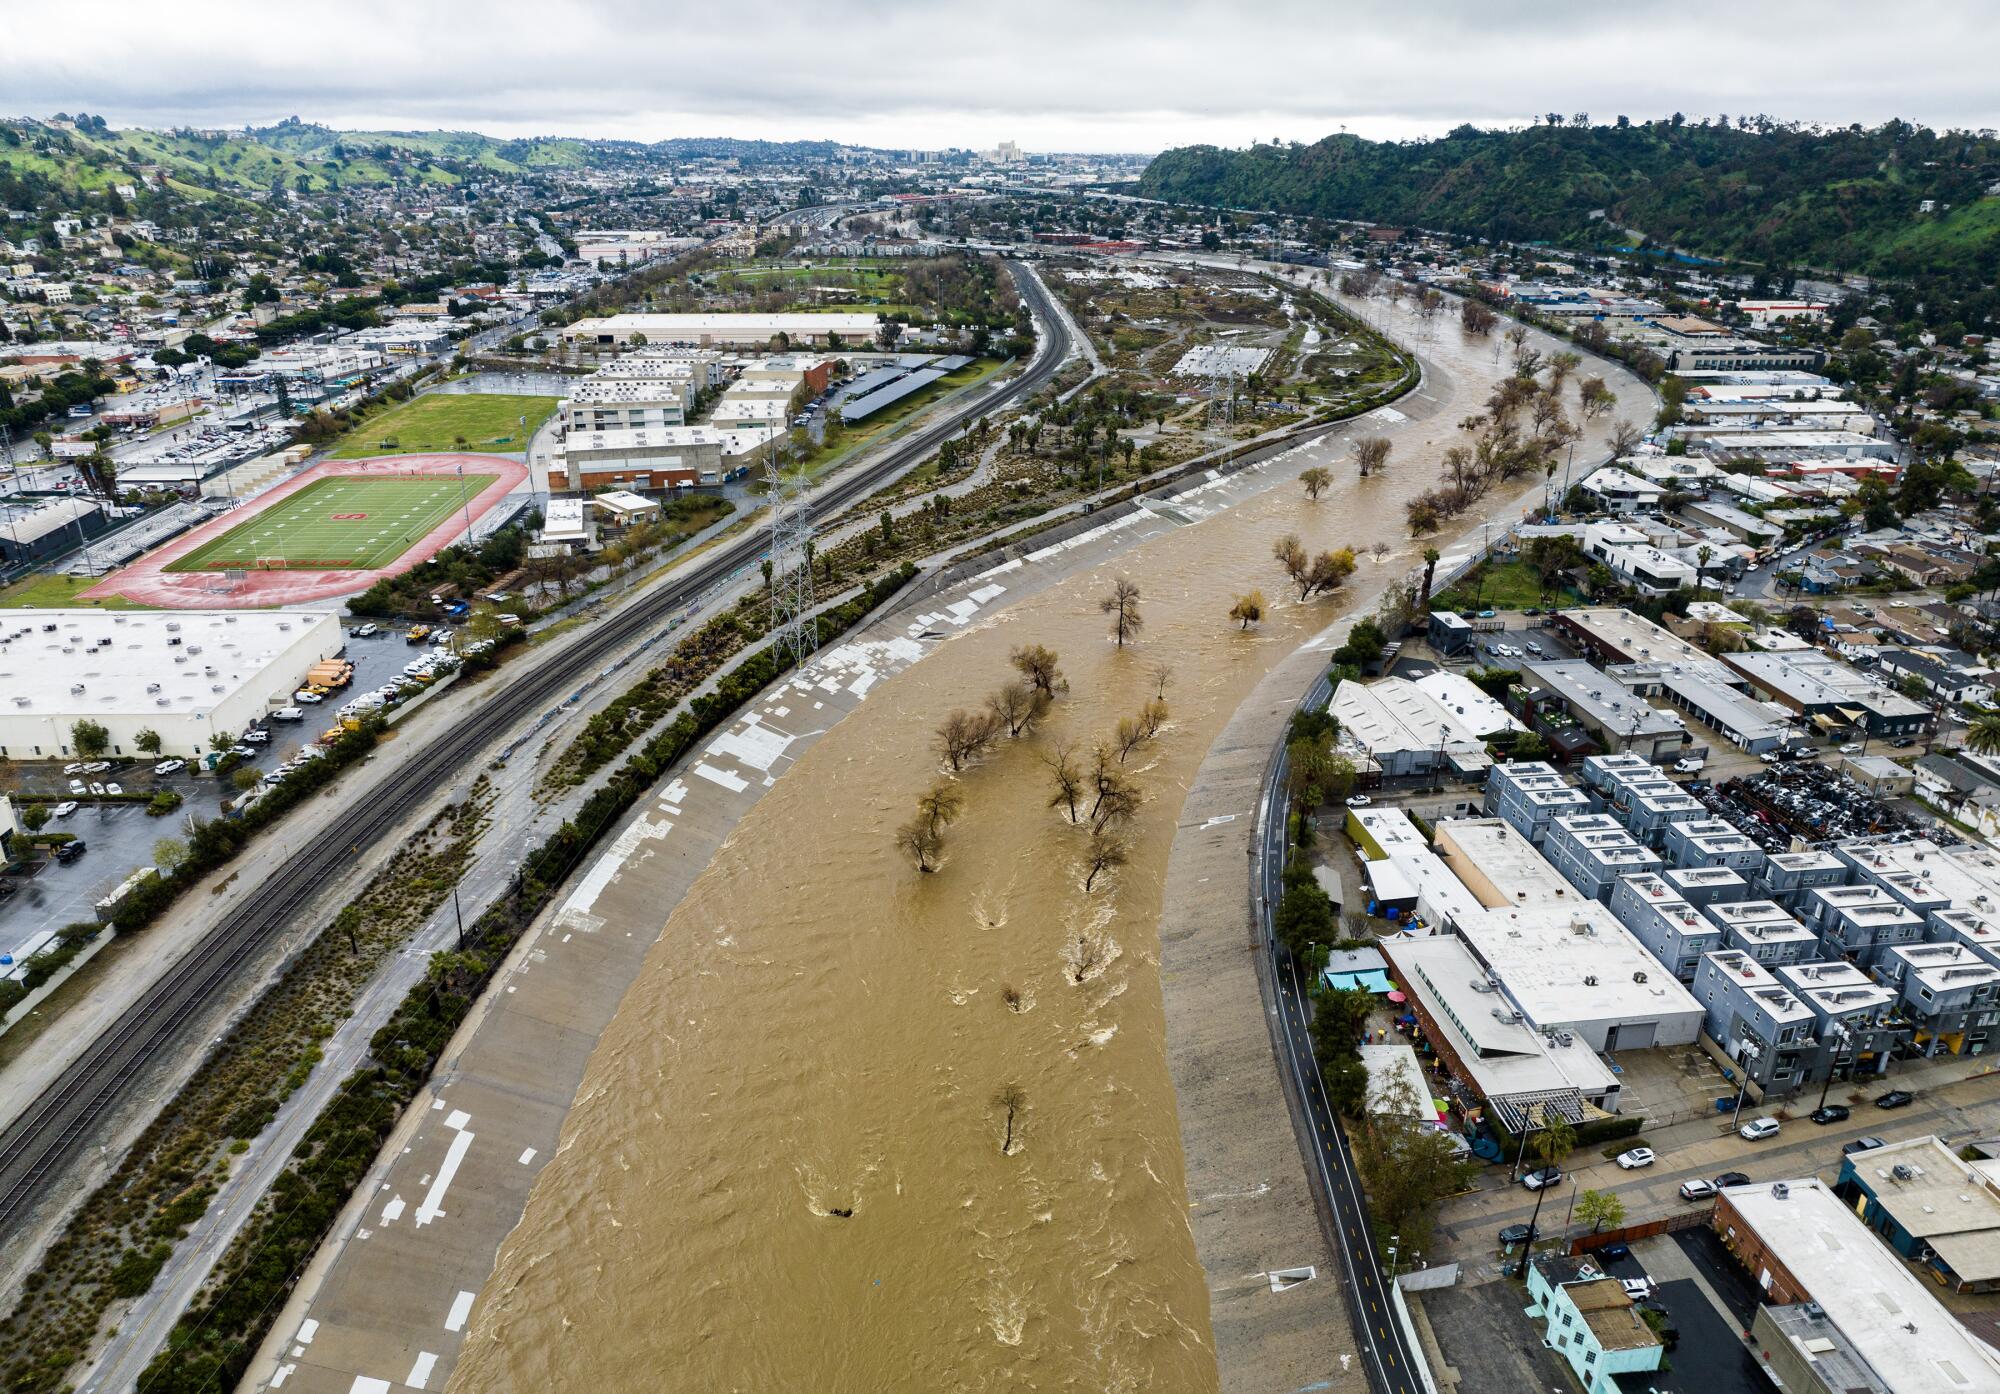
1845 200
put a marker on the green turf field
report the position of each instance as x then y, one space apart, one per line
440 422
343 523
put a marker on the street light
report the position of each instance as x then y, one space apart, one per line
1840 1032
1394 1240
1747 1052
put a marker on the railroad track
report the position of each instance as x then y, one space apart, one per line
44 1139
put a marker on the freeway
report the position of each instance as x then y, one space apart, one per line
44 1141
1386 1356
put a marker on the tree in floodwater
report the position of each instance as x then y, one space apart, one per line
1114 798
1316 478
1018 707
922 838
1068 780
1123 605
1039 668
963 736
1311 574
1248 609
1372 454
1107 850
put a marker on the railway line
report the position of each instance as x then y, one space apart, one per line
48 1134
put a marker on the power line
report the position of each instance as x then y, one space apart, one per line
793 630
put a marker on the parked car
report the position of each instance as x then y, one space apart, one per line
1851 748
255 736
1895 1098
1757 1129
1638 1289
1732 1178
63 809
1687 767
368 631
114 788
77 786
97 767
288 714
73 767
68 852
1358 801
1517 1234
1636 1158
170 767
307 696
1829 1113
1542 1177
1697 1189
1860 1144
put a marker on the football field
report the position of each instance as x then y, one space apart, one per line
340 523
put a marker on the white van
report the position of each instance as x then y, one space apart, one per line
288 714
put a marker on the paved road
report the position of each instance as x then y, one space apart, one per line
1386 1356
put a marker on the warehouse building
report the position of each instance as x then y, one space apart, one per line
707 331
1832 695
672 457
1606 716
184 674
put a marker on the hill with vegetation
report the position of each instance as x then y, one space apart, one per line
1779 195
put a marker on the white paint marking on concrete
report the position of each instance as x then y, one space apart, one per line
527 1155
433 1205
437 1103
420 1372
368 1384
457 1120
393 1211
308 1329
859 687
752 746
734 783
985 595
461 1308
606 868
284 1372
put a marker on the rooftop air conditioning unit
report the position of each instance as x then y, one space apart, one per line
1640 976
162 702
76 689
152 687
1779 1190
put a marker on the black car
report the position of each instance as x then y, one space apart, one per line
68 852
1895 1098
1731 1178
1517 1234
1830 1113
1861 1144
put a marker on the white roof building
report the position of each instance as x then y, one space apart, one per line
706 330
1913 1343
184 674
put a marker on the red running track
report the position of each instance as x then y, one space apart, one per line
148 582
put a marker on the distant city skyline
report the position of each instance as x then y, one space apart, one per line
1112 76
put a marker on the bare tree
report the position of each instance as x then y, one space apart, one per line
940 805
1128 736
1017 706
1248 609
1561 365
1625 438
1153 716
1594 399
1372 454
1315 479
1113 797
1038 668
1067 778
1328 571
1123 605
1107 850
1013 1106
1161 673
1379 550
964 735
1291 554
921 843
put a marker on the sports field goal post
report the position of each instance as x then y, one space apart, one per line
271 564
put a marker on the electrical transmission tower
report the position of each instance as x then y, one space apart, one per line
793 629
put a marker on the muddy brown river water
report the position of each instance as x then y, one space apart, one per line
856 1128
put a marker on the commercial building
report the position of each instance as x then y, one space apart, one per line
1591 1322
1395 726
1801 1243
32 531
1609 635
1564 961
1931 1207
1605 716
1830 694
1407 881
187 675
1710 693
627 404
833 330
673 457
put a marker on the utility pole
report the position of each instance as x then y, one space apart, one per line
459 915
1840 1033
794 632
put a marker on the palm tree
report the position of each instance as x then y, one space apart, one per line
1702 554
1983 736
1431 555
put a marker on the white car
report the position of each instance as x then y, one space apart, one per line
1757 1129
368 631
1358 801
73 767
1636 1158
64 809
96 788
76 787
309 698
170 767
1851 748
288 714
97 767
254 737
114 788
1638 1289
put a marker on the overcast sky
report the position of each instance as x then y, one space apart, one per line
1104 75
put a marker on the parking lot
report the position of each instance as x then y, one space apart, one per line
1810 799
47 895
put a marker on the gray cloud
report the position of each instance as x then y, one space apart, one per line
1080 75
